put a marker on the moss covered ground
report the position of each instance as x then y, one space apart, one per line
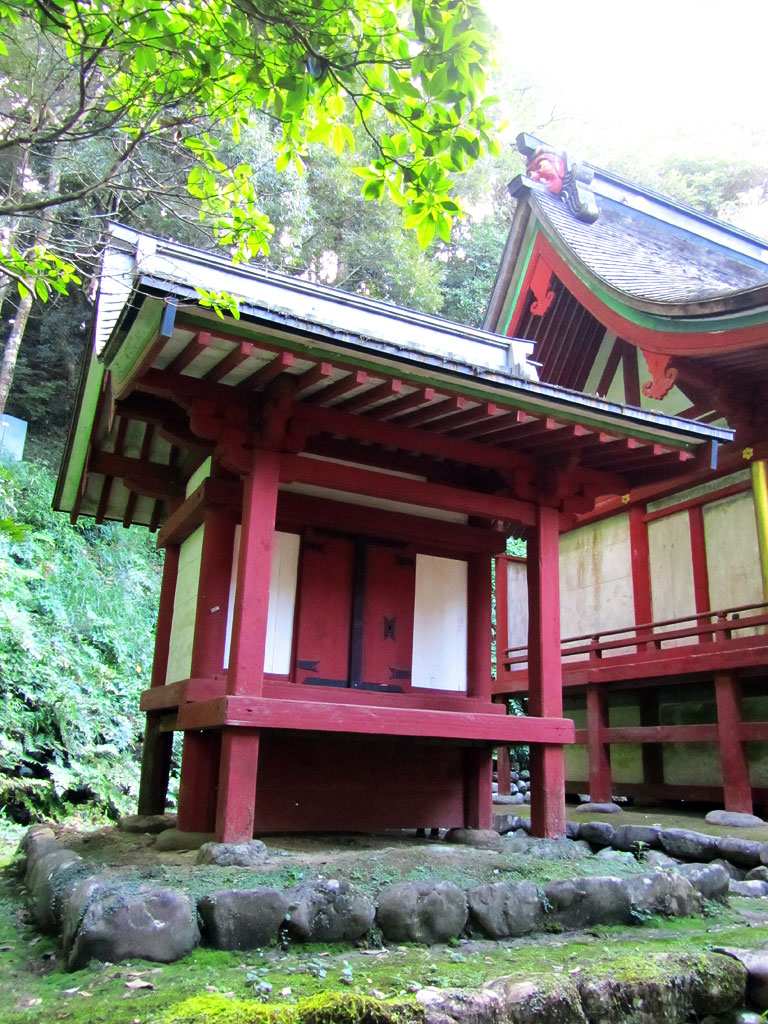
332 985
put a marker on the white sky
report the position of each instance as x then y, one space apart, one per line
680 75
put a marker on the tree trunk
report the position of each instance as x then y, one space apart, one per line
41 239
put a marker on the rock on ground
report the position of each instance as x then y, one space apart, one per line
663 892
329 911
228 855
733 819
581 902
173 839
242 918
598 808
599 833
49 879
711 881
152 823
482 838
426 912
755 962
529 1002
754 887
155 924
505 909
739 851
682 842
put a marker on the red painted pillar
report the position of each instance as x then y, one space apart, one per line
699 563
478 764
737 791
156 752
201 750
240 747
545 684
641 566
600 788
652 753
503 776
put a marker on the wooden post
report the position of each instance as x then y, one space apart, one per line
156 751
737 791
652 753
545 687
760 496
201 750
240 747
699 564
640 557
478 770
600 788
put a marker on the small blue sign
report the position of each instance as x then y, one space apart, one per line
13 434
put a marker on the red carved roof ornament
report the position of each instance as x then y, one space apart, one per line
663 376
560 176
541 278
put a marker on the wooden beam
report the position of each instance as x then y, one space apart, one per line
198 344
661 734
342 386
311 377
350 479
241 351
489 428
378 720
184 520
367 428
412 401
449 404
299 510
384 391
267 373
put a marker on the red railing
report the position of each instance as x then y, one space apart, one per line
704 627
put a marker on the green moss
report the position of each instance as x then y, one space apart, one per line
325 1008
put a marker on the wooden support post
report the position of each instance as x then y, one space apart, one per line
503 776
156 752
478 776
545 672
652 753
641 567
737 791
600 788
201 750
699 564
240 747
479 766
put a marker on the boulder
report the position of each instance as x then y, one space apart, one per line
733 819
711 881
599 833
426 912
228 855
572 829
505 909
637 838
507 798
667 991
661 861
663 892
77 902
173 839
242 918
504 823
764 854
558 849
755 962
598 808
535 1002
37 841
577 903
151 924
152 823
759 874
754 887
457 1006
329 911
482 838
682 842
733 872
49 880
739 851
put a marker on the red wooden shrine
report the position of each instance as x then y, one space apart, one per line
330 479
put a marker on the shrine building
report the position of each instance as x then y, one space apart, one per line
330 479
635 299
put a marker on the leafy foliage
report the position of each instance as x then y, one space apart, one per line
77 610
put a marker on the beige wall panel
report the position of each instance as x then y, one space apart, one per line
733 557
596 578
672 594
517 604
440 624
183 623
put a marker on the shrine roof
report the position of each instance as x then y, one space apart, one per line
388 383
654 253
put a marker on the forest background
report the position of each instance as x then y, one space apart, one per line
77 604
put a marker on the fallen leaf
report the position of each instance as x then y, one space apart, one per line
138 983
86 995
33 1002
71 991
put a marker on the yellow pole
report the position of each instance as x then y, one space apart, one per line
760 493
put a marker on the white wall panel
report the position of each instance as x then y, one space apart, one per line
440 624
672 593
282 602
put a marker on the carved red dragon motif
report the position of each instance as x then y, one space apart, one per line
663 376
